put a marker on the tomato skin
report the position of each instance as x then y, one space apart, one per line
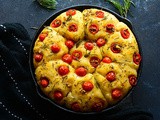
75 106
88 45
55 48
107 59
95 61
115 48
100 42
63 70
87 86
44 82
93 29
81 71
56 23
97 106
69 44
99 14
125 33
71 12
110 28
58 96
132 80
42 36
111 76
137 58
116 93
73 28
38 57
67 58
76 55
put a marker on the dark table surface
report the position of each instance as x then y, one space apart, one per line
146 23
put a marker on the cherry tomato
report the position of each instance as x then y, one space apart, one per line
73 28
94 61
88 45
81 71
42 36
116 93
44 82
97 106
111 76
100 42
75 106
115 48
58 96
71 12
132 80
110 28
63 70
107 59
93 28
76 55
99 14
87 86
56 23
38 57
125 33
69 44
55 48
137 58
67 58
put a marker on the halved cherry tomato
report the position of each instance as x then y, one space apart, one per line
137 58
69 44
116 93
116 48
95 61
93 28
110 28
132 80
71 12
100 42
107 59
73 27
63 70
97 106
81 71
87 86
38 57
55 48
125 33
58 96
76 55
75 106
56 23
99 14
44 82
42 36
111 76
67 58
88 45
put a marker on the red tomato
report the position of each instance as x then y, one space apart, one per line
94 61
97 106
56 23
73 28
42 36
107 59
44 82
63 70
137 58
38 57
88 45
87 86
55 48
71 12
93 28
81 71
116 93
111 76
67 58
110 28
69 44
125 33
115 48
76 55
58 95
75 106
132 80
99 14
100 42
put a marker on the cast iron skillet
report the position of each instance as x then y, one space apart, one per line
47 23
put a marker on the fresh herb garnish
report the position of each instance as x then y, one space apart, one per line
50 4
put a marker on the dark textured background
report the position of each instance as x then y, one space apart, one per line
146 23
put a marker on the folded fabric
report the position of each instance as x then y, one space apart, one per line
18 96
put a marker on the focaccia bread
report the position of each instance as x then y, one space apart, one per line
86 60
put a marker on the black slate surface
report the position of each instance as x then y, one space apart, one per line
146 24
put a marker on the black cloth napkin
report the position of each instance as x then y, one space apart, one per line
18 96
